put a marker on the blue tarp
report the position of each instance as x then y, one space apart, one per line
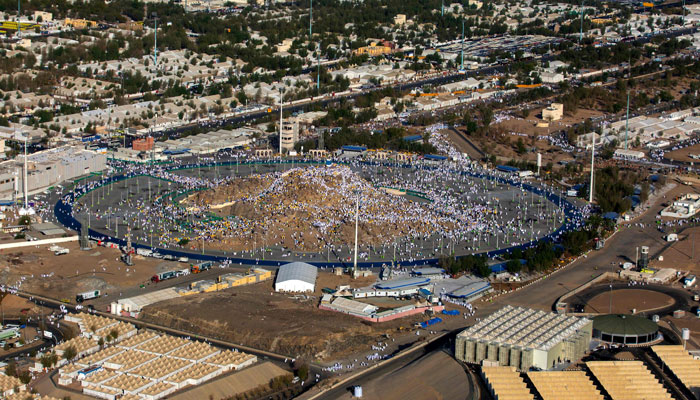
176 152
434 157
354 148
412 138
653 178
450 312
507 168
635 200
90 138
611 215
500 267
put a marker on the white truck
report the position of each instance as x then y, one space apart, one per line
93 294
672 237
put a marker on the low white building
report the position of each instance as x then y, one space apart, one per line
629 154
684 207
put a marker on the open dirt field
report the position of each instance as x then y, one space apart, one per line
510 128
290 324
529 127
624 301
37 270
679 255
436 376
684 154
229 385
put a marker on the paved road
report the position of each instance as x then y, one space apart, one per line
620 248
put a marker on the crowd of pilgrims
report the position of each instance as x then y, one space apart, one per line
463 213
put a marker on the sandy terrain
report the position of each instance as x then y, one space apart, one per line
231 384
679 255
40 271
624 301
683 154
257 316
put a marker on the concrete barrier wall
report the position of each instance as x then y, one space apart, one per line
417 310
603 276
38 242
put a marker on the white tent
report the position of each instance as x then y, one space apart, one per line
296 277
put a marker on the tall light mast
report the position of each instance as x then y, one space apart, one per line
357 218
311 18
462 44
281 103
580 35
627 121
19 25
318 76
155 47
590 195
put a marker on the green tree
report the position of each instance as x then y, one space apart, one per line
70 353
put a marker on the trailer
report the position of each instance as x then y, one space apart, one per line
169 275
144 252
87 296
201 267
61 251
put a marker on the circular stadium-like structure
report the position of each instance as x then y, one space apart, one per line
625 329
277 211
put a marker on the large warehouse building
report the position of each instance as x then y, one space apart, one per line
524 338
296 277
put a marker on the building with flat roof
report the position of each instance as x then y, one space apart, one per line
554 112
47 168
683 207
525 338
296 277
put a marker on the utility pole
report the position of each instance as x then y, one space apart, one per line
590 196
442 9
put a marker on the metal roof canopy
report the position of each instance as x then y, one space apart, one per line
297 271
